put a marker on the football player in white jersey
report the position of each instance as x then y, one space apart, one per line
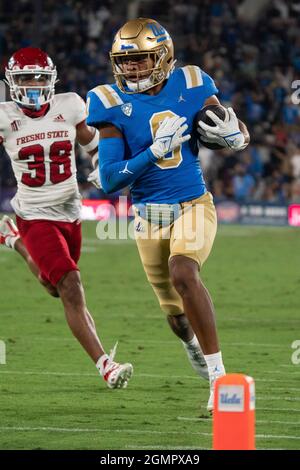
38 129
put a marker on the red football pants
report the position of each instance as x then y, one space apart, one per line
53 246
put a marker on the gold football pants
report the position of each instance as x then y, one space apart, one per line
192 235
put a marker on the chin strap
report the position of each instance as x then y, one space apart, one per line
147 83
141 85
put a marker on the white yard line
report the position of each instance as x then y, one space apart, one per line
272 436
234 344
271 398
150 376
264 321
286 423
258 421
127 431
196 420
286 389
155 447
40 373
96 430
288 410
195 377
285 347
283 374
284 381
261 345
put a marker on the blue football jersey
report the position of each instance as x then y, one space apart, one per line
178 176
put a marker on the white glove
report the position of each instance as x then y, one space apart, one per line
228 131
207 136
169 136
94 178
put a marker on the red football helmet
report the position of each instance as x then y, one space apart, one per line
31 77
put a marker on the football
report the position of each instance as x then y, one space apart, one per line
196 138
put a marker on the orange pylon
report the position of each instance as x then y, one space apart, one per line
234 413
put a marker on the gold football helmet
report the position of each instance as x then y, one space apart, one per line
146 38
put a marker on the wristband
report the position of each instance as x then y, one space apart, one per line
93 143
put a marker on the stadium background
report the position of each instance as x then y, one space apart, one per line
50 395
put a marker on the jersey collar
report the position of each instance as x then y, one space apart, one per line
33 113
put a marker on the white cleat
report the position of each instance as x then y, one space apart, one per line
116 375
212 380
210 403
197 360
9 233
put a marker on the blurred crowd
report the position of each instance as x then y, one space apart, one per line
255 65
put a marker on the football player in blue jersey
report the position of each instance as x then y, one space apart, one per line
145 120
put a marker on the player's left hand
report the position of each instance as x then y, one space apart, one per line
94 178
227 130
169 136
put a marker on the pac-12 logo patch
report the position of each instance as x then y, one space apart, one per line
127 109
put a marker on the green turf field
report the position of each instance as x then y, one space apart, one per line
52 398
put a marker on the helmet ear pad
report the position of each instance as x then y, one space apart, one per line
142 36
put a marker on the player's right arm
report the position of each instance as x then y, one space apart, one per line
115 171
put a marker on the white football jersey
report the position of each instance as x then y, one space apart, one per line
43 158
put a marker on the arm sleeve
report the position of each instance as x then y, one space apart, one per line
117 173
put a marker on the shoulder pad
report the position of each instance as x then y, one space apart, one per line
108 96
193 76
